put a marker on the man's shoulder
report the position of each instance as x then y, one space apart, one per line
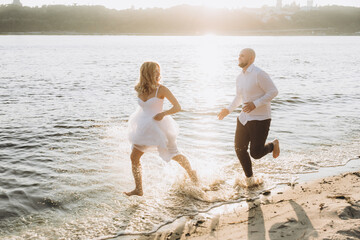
260 73
256 69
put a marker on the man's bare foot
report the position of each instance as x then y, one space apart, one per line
253 181
134 192
276 150
248 182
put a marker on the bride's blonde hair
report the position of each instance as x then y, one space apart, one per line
148 78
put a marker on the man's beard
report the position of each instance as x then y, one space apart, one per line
242 65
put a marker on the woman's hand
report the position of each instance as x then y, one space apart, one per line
224 112
159 116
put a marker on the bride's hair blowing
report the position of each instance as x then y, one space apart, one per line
148 78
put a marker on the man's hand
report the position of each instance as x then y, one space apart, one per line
248 107
224 112
159 116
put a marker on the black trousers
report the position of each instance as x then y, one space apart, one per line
254 132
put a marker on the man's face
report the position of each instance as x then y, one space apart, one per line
244 59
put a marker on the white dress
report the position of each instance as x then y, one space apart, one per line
147 134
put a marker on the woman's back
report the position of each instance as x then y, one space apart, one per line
151 105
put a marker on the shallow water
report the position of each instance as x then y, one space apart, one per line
65 101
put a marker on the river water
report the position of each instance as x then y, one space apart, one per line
65 101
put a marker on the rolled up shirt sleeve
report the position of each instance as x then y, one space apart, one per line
266 84
236 102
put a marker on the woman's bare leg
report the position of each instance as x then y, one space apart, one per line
136 170
184 162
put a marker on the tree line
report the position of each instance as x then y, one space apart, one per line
179 20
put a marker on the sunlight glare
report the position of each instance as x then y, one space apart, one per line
209 63
209 35
220 4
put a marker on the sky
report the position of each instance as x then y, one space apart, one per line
124 4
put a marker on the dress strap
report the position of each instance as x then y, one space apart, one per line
157 89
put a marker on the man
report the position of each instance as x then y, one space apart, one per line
255 90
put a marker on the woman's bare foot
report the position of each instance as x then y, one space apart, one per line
193 176
276 150
134 192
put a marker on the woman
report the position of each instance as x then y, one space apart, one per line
150 127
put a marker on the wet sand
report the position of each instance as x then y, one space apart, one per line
328 208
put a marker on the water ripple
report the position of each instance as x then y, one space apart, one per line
63 138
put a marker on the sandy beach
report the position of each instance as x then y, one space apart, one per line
328 208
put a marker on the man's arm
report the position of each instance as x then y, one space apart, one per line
235 103
269 88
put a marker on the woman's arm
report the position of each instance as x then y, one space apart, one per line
164 92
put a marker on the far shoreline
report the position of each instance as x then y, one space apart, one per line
244 34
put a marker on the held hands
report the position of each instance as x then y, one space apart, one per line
224 112
159 116
248 107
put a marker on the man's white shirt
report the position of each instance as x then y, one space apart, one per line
255 86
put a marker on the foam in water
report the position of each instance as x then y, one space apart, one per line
208 189
254 181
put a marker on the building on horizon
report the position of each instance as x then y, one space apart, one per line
17 3
279 4
309 6
310 3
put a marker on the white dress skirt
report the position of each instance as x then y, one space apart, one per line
147 134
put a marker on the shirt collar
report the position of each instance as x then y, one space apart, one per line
250 68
